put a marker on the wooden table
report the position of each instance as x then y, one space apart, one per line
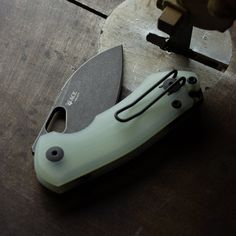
183 185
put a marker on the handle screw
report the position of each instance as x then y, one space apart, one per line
54 154
176 104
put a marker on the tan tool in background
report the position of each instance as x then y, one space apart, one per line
198 13
178 22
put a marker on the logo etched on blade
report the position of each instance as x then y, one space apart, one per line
73 98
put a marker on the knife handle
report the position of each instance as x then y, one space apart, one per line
62 160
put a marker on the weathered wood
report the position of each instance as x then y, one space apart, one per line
183 185
103 6
41 44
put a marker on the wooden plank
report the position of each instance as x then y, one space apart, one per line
183 185
103 6
41 44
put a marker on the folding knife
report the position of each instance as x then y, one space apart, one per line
109 134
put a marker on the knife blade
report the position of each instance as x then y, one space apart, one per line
92 89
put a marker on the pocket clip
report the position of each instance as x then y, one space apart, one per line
173 86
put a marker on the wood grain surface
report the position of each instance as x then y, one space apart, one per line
183 185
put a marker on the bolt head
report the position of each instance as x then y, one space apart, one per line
55 154
176 104
192 80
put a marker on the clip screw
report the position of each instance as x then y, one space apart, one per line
192 80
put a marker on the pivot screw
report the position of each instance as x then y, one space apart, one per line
176 104
54 154
192 80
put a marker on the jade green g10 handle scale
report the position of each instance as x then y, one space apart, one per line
61 160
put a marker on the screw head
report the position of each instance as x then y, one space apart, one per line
167 83
54 154
176 104
192 80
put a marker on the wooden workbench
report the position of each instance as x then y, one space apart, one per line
183 185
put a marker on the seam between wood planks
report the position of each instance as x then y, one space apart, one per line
94 11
